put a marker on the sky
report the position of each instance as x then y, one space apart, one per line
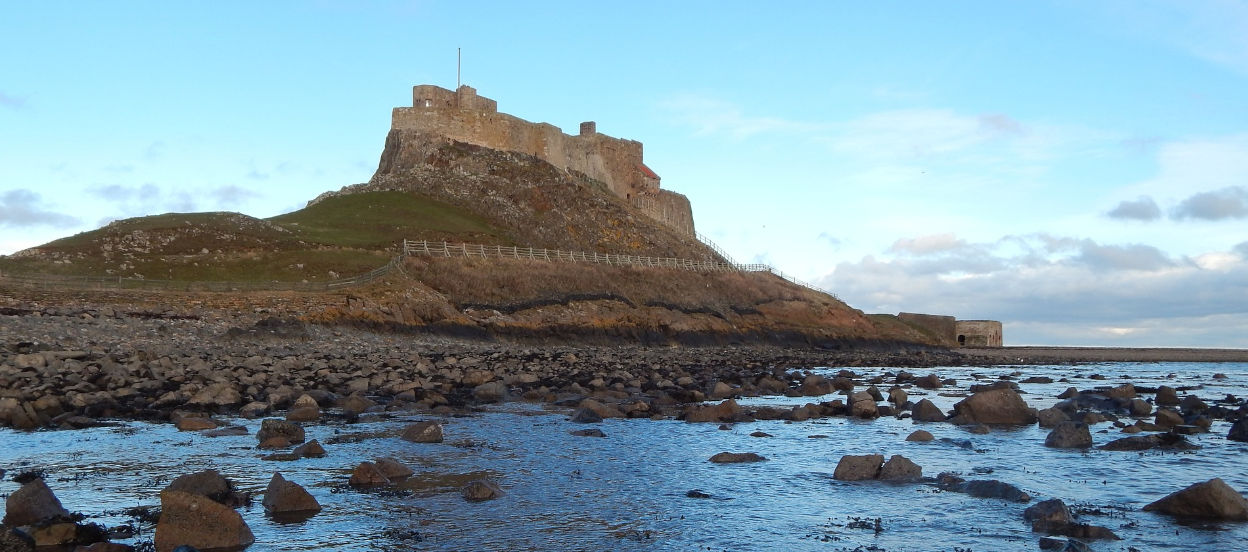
1077 170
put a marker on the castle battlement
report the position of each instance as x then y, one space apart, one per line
465 116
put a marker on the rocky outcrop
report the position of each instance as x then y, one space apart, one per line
736 458
858 467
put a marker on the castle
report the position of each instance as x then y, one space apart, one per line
616 163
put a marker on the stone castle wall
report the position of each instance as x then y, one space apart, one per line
944 328
464 116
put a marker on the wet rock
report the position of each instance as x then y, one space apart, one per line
1167 396
197 521
65 534
930 381
1051 417
760 434
392 469
356 404
12 540
697 493
1069 435
1051 510
1123 393
991 488
232 431
585 416
271 443
726 411
208 483
858 467
480 490
1070 392
736 458
1002 406
920 436
310 449
1191 405
272 427
814 385
103 547
304 410
490 392
1239 431
1139 408
253 410
1210 499
602 410
1063 545
719 391
1038 379
1146 442
282 496
32 503
423 432
217 394
196 424
862 405
1072 529
367 475
593 432
900 468
926 411
1167 418
898 396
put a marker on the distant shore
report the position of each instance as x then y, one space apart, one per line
1062 355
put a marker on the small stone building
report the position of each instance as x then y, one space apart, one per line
979 333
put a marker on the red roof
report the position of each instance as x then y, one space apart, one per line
646 171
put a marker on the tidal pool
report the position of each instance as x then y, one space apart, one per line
628 491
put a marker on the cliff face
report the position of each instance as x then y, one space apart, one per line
540 204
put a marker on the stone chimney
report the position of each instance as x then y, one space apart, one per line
589 128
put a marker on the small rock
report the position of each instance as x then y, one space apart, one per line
196 424
481 489
900 468
736 458
392 469
760 434
585 416
32 503
282 496
423 432
926 411
490 392
272 427
592 432
858 467
310 449
1167 418
367 475
1069 435
697 493
1052 510
1239 431
921 436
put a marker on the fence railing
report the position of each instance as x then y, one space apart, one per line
446 249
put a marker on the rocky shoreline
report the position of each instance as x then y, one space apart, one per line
76 368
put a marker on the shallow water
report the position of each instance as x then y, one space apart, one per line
628 491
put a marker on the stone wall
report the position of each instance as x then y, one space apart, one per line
669 208
979 333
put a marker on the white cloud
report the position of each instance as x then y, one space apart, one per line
1039 284
23 208
1144 209
1226 203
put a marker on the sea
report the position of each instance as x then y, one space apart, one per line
648 485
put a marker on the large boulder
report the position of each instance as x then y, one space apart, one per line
392 469
282 496
273 427
900 468
1167 396
926 411
1069 435
208 483
367 474
862 405
32 503
1051 417
1167 418
199 522
423 432
858 467
1210 499
305 409
1002 406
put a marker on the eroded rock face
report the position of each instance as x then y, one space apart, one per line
194 520
32 503
1210 499
282 496
1002 406
858 467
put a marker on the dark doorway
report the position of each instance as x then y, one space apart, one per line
961 340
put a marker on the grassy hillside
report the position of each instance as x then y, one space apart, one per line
337 237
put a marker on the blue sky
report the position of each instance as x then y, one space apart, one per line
1078 170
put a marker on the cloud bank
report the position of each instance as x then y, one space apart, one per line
23 208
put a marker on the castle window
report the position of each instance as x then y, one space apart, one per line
428 103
